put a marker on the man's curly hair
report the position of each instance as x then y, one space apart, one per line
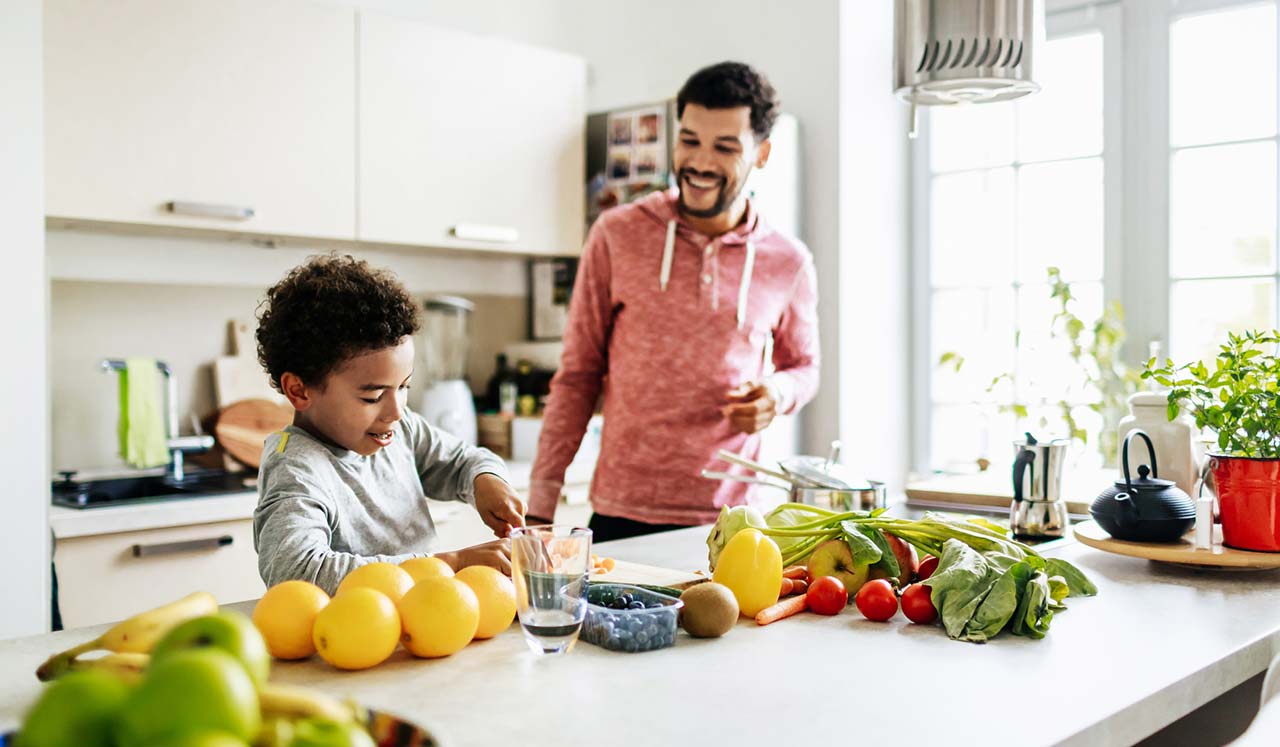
327 310
728 85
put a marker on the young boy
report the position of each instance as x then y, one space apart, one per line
346 484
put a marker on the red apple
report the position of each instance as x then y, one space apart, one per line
908 563
834 558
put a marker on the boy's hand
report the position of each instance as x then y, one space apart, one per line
496 554
499 506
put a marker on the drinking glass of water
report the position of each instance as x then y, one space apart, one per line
549 565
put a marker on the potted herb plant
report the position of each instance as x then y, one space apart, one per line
1238 398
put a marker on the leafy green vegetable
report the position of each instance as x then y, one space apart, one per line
997 606
1033 615
1077 583
959 585
866 551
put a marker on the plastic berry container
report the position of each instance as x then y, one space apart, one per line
628 618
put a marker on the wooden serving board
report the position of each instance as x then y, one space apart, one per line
1183 552
243 427
636 573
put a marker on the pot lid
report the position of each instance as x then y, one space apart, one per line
1149 399
1144 481
820 472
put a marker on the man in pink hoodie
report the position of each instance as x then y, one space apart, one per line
676 301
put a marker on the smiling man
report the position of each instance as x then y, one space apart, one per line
676 302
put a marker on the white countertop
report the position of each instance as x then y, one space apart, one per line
73 522
1157 643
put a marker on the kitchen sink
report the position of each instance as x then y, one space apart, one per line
120 491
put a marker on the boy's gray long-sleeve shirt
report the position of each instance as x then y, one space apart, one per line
324 510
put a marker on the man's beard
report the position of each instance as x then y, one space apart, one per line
723 200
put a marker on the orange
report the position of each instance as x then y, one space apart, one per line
497 597
421 568
387 578
358 629
440 616
285 616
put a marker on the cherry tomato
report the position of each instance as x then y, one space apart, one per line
917 604
827 596
876 600
927 567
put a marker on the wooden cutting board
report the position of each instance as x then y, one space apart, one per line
243 427
239 376
635 573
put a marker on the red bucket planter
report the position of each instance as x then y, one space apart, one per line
1249 501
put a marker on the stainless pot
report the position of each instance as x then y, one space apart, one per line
858 499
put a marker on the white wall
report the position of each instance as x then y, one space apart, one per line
24 532
874 206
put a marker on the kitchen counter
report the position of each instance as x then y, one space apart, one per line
1157 643
67 523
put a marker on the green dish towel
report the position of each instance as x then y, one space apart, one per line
142 437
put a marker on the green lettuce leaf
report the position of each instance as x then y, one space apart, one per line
1078 584
865 551
959 585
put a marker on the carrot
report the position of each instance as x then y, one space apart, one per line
794 572
787 585
799 586
786 608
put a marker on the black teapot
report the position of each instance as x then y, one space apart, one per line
1146 509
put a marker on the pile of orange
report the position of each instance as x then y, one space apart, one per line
421 602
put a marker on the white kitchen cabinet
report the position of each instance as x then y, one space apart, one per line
234 103
461 131
108 577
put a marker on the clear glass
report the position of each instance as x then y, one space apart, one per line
1222 75
1222 211
549 565
1064 119
1060 220
971 229
1202 312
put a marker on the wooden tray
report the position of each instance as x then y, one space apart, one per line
1182 553
637 573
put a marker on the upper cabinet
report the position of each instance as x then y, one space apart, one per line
468 141
240 111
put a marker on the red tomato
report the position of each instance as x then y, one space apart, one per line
917 604
827 596
927 567
876 600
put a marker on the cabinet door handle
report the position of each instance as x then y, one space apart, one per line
478 232
210 210
170 548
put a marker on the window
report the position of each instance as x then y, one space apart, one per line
1012 190
1222 176
1146 169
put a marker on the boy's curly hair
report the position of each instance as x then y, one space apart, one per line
327 310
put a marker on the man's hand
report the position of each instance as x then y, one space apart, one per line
498 505
751 408
495 554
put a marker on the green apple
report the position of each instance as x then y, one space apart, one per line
315 732
834 558
230 631
76 709
188 692
203 739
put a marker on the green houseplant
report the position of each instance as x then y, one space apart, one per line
1238 398
1094 348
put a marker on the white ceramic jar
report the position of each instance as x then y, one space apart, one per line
1177 443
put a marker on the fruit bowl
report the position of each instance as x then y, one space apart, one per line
621 617
387 731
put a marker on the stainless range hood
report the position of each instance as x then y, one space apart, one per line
965 51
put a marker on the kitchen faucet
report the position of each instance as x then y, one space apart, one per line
177 445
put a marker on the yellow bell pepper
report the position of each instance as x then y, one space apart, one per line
751 566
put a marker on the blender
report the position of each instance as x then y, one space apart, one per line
446 397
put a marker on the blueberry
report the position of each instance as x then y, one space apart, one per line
636 605
642 637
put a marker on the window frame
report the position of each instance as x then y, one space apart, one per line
1106 19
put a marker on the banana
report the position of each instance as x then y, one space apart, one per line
136 635
127 666
291 702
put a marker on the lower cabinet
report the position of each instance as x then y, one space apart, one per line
108 577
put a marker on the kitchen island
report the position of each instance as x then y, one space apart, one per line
1157 643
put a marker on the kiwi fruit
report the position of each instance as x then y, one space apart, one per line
710 610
